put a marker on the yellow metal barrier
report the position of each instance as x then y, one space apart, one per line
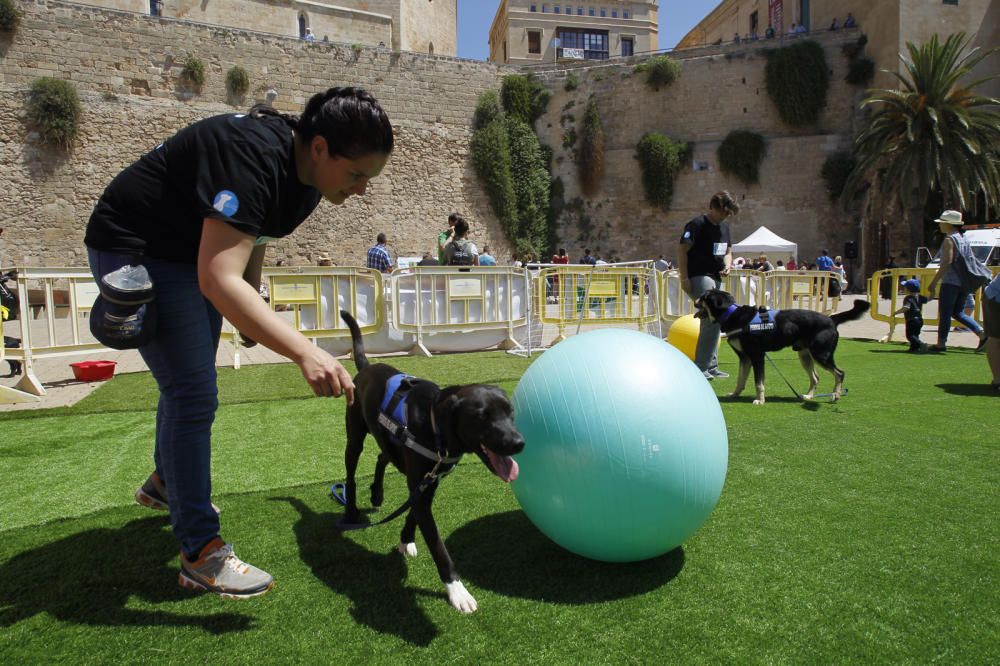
606 294
443 299
801 290
886 297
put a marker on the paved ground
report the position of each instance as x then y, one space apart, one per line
63 389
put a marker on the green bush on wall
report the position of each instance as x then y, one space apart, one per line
194 71
660 159
835 172
798 79
660 71
524 97
590 156
54 111
9 16
861 71
237 81
741 153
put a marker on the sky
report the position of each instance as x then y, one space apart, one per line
676 17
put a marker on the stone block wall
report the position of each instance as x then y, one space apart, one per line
127 68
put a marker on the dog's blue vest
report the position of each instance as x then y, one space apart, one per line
392 416
762 324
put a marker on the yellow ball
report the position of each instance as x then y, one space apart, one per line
683 335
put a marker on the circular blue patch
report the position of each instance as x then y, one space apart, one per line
226 203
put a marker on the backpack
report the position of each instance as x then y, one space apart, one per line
461 254
972 273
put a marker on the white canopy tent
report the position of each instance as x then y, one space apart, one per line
765 241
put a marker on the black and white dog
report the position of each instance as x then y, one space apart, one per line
752 333
434 428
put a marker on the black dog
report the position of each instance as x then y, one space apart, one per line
440 426
751 334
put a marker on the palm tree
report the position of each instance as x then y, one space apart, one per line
933 134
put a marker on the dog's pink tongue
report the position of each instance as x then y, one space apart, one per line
504 466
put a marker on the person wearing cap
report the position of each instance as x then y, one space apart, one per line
911 311
951 300
324 259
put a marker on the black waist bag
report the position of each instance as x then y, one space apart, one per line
124 314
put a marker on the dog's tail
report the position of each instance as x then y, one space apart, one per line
860 307
360 360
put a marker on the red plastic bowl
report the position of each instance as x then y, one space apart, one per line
93 371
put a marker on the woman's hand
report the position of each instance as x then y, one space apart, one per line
326 375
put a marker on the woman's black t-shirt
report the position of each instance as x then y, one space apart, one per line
709 244
232 167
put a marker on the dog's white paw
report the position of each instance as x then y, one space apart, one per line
807 396
758 401
460 598
836 396
408 549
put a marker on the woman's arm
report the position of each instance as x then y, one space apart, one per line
224 257
947 256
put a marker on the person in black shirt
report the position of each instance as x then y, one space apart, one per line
913 303
704 255
197 212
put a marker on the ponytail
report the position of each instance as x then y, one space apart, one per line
258 111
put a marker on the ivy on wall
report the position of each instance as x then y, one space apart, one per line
237 82
660 71
741 154
9 16
590 156
54 111
836 169
194 71
797 80
512 163
660 159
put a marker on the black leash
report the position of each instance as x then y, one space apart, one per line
337 493
797 394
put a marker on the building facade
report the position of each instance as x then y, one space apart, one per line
526 33
402 25
888 25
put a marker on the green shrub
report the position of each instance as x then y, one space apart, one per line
660 71
572 83
54 110
590 157
531 184
491 159
237 81
853 49
9 16
861 71
194 71
660 159
524 97
835 172
357 48
741 153
797 79
488 109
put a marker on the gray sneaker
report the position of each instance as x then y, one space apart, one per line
154 494
218 570
708 375
719 374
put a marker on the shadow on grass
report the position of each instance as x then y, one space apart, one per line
89 577
979 390
374 582
531 566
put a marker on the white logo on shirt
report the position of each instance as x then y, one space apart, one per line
226 203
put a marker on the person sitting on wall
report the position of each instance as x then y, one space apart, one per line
769 33
309 36
833 24
849 21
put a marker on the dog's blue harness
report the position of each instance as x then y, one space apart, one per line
393 418
762 323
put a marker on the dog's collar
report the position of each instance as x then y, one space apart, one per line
725 315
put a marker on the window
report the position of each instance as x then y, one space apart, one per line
556 10
590 11
545 9
534 41
533 7
753 23
579 11
569 10
302 26
614 13
604 12
950 2
625 13
593 42
505 51
628 46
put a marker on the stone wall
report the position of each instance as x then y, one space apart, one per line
718 91
127 70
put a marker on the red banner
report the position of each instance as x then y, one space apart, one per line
776 16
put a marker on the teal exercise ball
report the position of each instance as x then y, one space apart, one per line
625 445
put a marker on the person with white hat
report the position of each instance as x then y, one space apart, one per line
951 300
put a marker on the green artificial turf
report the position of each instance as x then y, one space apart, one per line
862 531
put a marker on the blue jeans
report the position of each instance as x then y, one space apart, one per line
181 357
951 301
706 354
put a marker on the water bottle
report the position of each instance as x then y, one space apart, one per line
129 279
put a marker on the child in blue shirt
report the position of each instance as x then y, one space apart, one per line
911 310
